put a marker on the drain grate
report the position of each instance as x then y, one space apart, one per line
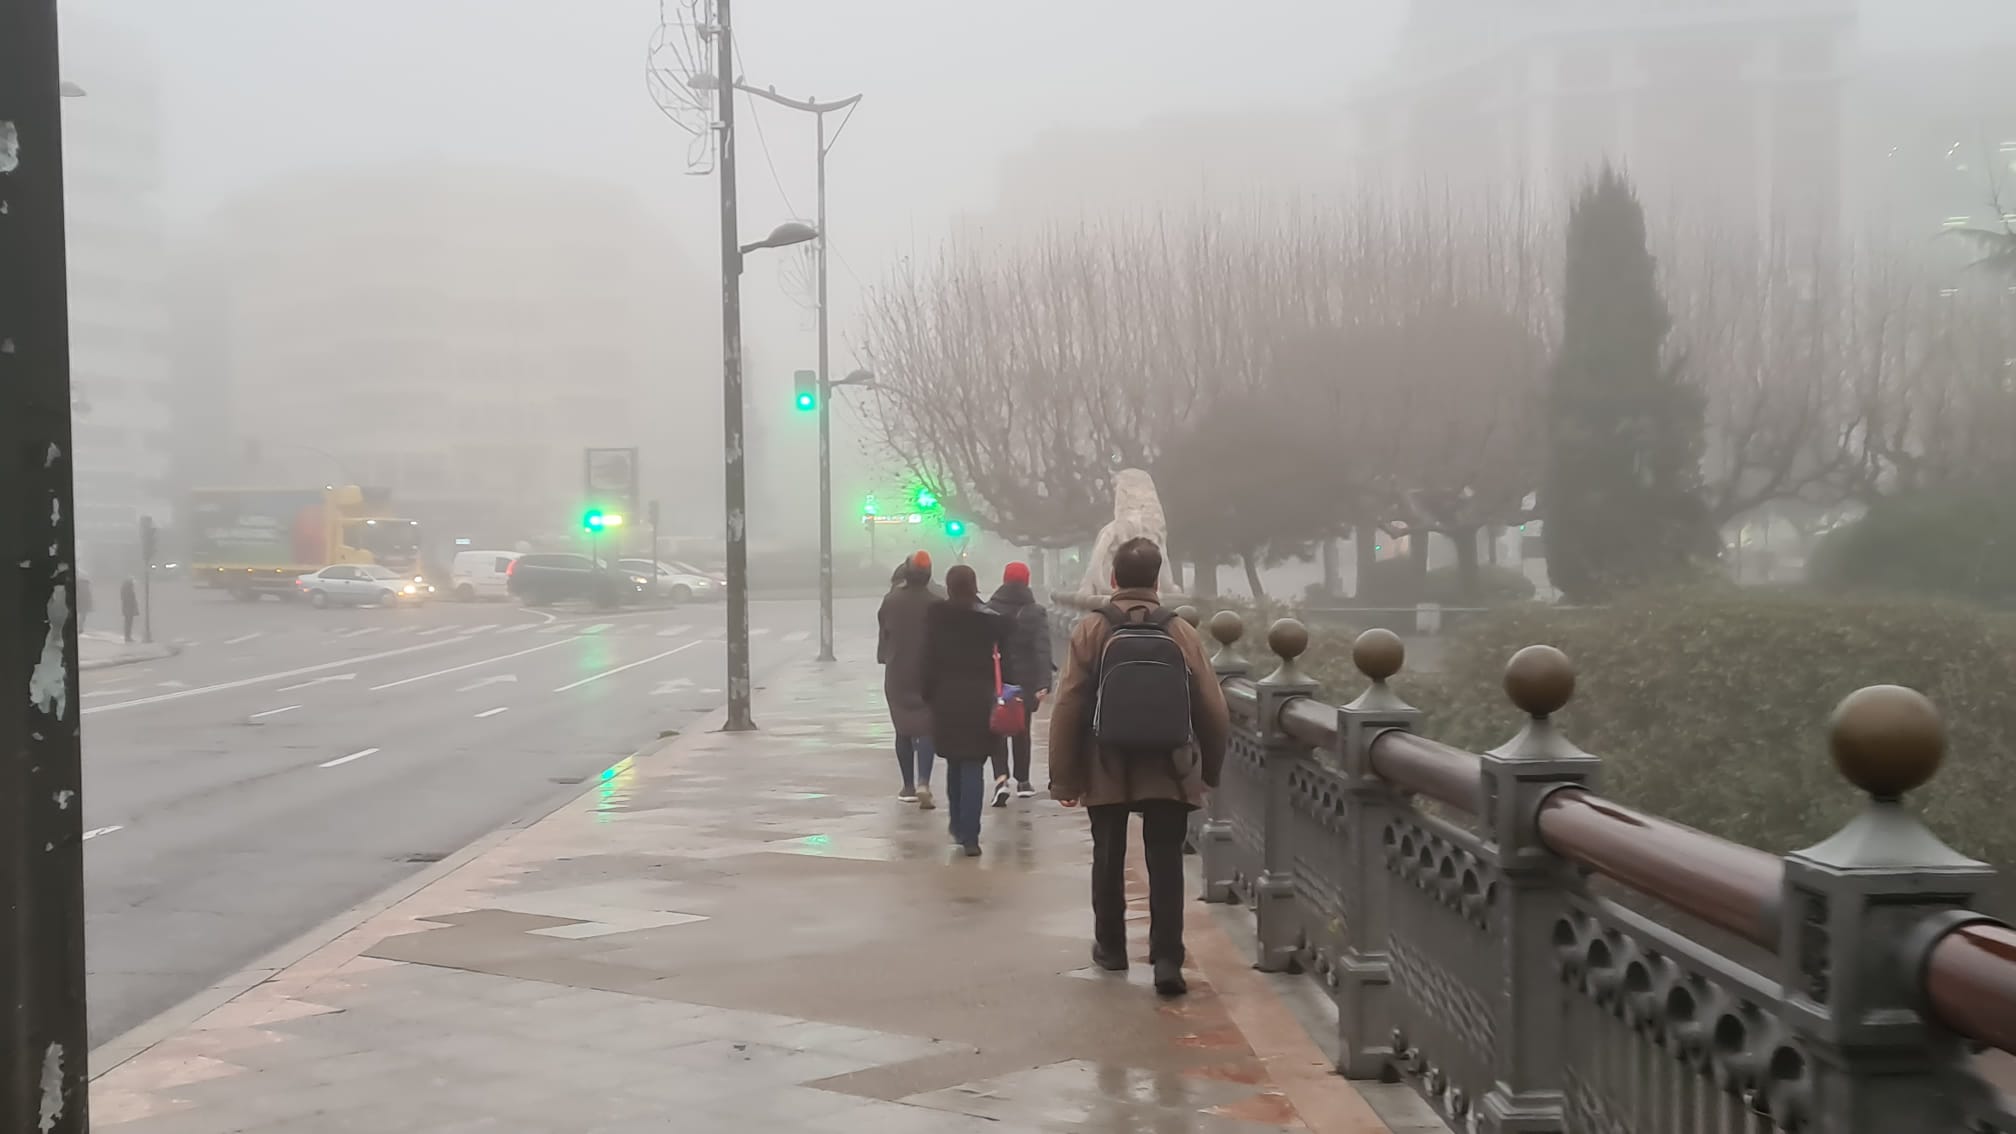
424 856
568 779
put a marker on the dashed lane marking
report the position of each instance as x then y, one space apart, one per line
473 664
493 712
621 668
340 760
244 637
275 712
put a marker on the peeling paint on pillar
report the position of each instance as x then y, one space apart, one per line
48 689
52 1087
10 146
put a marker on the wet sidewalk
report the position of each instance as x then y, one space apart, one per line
738 933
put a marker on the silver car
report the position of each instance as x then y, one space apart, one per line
359 584
668 581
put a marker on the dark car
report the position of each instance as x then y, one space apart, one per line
542 578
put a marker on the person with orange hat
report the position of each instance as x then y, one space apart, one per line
899 646
1029 655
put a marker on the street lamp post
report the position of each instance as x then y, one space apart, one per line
734 458
43 1044
819 111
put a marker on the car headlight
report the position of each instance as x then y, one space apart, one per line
411 589
640 580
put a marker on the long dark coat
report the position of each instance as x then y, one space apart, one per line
959 647
1029 636
899 646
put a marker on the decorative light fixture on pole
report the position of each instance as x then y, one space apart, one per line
819 110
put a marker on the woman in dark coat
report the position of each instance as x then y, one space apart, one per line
962 638
899 646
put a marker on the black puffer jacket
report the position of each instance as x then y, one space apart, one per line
1028 637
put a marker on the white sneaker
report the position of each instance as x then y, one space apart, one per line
907 795
1002 791
1025 790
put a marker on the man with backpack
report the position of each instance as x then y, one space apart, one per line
1138 726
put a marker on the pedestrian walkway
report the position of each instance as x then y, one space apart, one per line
738 933
99 649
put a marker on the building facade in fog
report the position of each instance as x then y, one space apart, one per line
458 336
1729 108
119 331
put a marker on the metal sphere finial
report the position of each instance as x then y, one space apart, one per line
1227 627
1378 653
1886 739
1540 680
1288 639
1187 613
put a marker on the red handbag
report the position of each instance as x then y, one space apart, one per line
1010 716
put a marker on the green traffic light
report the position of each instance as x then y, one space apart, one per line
806 401
955 528
593 520
926 499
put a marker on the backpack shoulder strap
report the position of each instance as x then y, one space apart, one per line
1115 617
1160 617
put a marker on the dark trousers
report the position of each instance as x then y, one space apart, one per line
1020 744
129 627
913 759
965 788
1163 825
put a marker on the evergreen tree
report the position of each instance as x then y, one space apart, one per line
1622 497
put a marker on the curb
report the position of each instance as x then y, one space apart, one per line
158 653
138 1039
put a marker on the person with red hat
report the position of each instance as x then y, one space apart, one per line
1028 653
899 646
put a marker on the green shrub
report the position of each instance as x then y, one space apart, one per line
1391 582
1709 705
1950 544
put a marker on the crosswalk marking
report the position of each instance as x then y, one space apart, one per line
673 631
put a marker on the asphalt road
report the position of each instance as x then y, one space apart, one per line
290 762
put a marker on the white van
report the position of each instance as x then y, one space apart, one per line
481 575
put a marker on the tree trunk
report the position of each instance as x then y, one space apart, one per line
1253 576
1204 578
1466 563
1333 581
1365 550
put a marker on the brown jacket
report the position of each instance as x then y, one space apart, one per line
1094 778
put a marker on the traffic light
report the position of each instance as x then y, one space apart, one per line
955 528
869 507
807 384
926 499
148 540
597 520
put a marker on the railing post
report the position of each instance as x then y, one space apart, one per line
1861 912
1214 834
1362 975
1280 920
1518 775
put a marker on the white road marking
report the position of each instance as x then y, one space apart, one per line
545 614
317 681
243 637
471 665
621 668
553 628
346 759
482 628
97 831
758 631
437 630
360 632
597 628
275 712
520 627
493 712
108 692
672 686
502 677
262 678
796 636
173 684
673 631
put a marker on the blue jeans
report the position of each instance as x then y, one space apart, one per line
965 789
913 758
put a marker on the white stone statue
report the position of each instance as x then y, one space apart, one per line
1137 511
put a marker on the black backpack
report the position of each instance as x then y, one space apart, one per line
1143 699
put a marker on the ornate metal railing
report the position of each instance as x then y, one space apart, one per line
1455 905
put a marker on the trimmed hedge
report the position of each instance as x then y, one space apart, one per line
1709 705
1959 544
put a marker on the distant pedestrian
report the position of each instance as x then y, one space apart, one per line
83 600
1138 726
899 646
1029 647
129 606
962 641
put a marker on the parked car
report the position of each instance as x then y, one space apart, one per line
671 580
542 578
358 584
481 575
